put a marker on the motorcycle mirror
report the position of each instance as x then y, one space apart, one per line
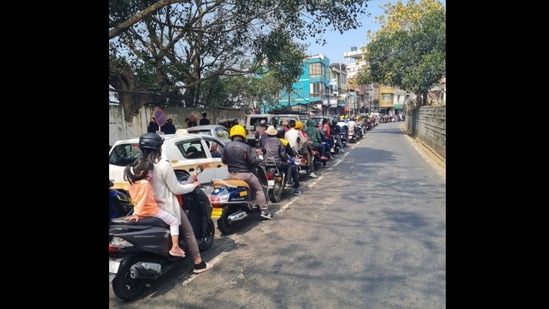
199 169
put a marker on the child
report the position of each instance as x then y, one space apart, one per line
142 196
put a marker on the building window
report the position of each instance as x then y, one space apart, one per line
316 70
316 90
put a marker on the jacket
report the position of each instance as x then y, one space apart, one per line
239 157
313 133
273 148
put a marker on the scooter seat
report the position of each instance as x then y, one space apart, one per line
149 221
234 182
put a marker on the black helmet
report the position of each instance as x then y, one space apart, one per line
150 141
281 131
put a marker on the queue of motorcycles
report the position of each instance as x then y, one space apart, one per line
138 250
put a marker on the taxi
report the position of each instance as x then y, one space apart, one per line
185 151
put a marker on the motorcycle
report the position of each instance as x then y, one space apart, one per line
302 164
235 199
138 250
277 180
119 203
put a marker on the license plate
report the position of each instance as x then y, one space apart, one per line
113 266
216 213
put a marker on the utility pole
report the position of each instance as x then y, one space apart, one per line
370 99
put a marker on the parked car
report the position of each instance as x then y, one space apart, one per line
184 151
215 130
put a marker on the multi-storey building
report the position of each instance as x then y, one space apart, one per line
366 100
311 93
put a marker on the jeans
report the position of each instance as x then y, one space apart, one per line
320 147
284 167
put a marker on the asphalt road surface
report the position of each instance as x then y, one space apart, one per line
370 232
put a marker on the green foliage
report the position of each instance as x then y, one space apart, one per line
412 55
203 43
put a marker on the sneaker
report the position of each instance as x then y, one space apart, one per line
323 158
202 267
297 192
313 175
266 215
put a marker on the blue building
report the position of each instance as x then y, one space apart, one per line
311 92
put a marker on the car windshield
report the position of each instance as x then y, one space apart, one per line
124 154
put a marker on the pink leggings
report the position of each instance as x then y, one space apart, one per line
170 220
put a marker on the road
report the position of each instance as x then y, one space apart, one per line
370 232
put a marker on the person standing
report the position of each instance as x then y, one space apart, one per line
166 187
260 131
241 161
169 128
192 121
204 121
153 126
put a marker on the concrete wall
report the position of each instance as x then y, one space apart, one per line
120 129
428 125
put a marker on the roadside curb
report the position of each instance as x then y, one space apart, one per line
438 159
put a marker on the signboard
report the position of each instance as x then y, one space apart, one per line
159 116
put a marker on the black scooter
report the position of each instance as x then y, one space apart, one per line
138 251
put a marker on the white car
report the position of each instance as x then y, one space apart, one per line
184 151
216 130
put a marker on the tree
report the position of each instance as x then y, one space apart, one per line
409 51
193 41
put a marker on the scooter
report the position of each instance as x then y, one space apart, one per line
119 203
138 250
235 200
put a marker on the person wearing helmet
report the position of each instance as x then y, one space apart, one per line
141 192
336 133
241 161
166 187
296 140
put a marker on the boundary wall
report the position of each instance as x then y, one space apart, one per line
427 124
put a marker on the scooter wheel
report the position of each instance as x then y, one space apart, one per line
206 242
124 286
275 194
225 226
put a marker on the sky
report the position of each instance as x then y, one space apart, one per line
337 44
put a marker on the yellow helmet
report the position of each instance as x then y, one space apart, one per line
298 125
237 130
